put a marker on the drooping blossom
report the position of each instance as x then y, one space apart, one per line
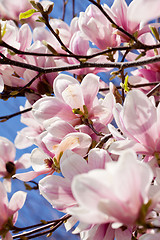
9 211
8 163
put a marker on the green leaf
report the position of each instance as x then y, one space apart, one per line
27 14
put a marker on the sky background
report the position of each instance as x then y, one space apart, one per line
36 207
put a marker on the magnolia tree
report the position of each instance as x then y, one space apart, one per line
97 144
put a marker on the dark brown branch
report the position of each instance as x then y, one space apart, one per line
108 50
6 117
7 61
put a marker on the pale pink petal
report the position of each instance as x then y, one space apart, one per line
24 161
8 236
90 87
59 128
7 150
150 236
78 142
59 194
17 201
140 118
150 10
72 164
70 223
49 107
119 8
25 36
28 176
7 184
122 145
3 205
61 83
37 160
73 96
123 235
97 158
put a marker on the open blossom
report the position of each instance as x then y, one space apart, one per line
61 197
47 158
71 164
8 165
9 211
115 194
96 28
138 120
74 102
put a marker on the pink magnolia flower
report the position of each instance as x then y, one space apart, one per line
74 102
9 211
96 28
115 194
71 164
61 197
138 120
7 163
126 17
47 158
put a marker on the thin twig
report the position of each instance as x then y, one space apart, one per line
53 223
6 117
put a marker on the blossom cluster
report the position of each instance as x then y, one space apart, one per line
99 150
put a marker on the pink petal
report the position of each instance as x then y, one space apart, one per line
97 158
90 87
61 83
72 164
59 194
17 201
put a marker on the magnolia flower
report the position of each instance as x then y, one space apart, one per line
115 194
7 163
47 159
96 27
9 211
138 120
74 102
71 164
